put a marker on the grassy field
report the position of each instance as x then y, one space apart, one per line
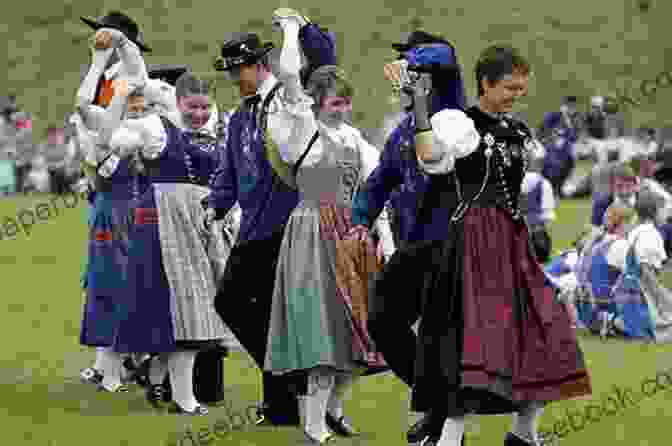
576 47
44 404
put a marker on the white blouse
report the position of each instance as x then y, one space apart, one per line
649 247
455 137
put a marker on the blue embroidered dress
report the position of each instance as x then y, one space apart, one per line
171 281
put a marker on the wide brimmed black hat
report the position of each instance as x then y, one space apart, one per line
167 73
120 21
415 38
241 48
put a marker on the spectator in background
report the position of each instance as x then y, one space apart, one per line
7 148
559 134
57 157
26 150
38 179
596 119
624 186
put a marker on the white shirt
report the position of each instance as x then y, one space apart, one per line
530 181
617 252
649 246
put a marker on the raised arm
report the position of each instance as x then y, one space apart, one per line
292 122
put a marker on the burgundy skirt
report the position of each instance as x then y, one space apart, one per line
492 336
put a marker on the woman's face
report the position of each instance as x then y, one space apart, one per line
195 109
335 109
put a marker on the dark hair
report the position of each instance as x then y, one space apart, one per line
188 84
497 61
647 205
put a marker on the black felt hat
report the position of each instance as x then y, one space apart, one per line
411 40
120 21
241 48
167 73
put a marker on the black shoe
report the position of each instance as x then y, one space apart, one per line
270 417
139 373
513 440
433 440
198 411
91 376
340 426
427 426
155 395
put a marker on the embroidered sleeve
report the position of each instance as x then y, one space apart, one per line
454 137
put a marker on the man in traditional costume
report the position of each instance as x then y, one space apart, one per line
253 174
399 179
490 329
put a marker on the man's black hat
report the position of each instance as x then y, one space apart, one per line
167 73
411 40
120 21
570 100
241 48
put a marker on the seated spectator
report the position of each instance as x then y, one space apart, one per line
25 148
606 264
637 293
38 179
623 187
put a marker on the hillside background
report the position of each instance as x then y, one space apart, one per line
576 47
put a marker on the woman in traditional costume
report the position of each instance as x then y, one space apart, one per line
318 320
171 280
492 338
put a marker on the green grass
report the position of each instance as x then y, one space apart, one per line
44 404
576 47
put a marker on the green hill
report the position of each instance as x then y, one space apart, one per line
576 47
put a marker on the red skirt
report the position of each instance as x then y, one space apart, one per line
492 336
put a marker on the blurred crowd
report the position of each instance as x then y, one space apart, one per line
26 166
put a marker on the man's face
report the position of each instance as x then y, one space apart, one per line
501 95
246 77
625 187
195 110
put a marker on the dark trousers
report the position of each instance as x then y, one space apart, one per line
59 182
21 174
394 310
244 304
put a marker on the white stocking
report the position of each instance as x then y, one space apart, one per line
343 383
98 365
453 430
111 367
320 387
181 369
525 422
158 369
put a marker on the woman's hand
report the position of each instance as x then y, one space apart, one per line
358 232
121 87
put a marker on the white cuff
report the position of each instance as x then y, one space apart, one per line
455 136
109 166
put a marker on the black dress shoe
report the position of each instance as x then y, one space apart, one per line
155 395
427 426
340 426
266 415
513 440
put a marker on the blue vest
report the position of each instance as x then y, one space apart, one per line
602 275
246 176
